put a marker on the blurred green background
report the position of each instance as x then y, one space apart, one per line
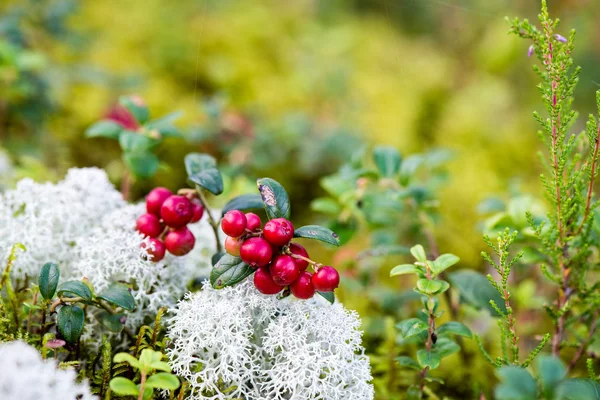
289 89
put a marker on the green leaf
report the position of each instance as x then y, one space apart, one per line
428 359
551 371
135 142
164 125
444 262
244 202
202 170
161 366
139 111
432 286
418 253
404 269
70 322
163 380
49 276
445 347
111 321
387 159
476 290
407 362
123 387
516 384
409 168
148 393
455 328
118 294
578 389
274 197
411 327
318 233
105 128
75 289
142 165
229 271
329 296
128 358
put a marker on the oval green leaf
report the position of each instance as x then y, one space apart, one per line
407 362
49 276
70 322
418 253
455 328
319 233
411 327
110 321
75 289
404 269
118 294
105 128
123 387
163 380
135 142
142 165
229 271
516 384
428 359
475 289
126 357
274 197
387 159
444 262
202 170
244 202
432 286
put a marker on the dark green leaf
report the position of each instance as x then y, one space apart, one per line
118 294
551 371
516 384
387 159
75 289
476 290
49 276
411 327
139 111
142 165
244 202
318 233
123 387
135 142
407 362
111 321
455 328
445 347
163 380
229 271
274 197
428 359
329 296
216 257
70 322
105 128
202 170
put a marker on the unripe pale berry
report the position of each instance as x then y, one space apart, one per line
155 200
149 225
176 211
234 223
302 287
253 222
278 231
233 245
264 282
301 251
158 253
256 252
198 210
180 241
326 279
284 270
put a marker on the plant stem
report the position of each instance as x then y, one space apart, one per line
315 264
591 185
142 385
585 342
213 223
126 185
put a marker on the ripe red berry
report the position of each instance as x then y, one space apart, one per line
180 241
198 209
256 252
149 225
284 270
155 200
302 287
176 211
326 279
234 223
278 231
158 253
254 223
301 251
233 245
264 282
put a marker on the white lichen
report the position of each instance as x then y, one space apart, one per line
26 376
238 343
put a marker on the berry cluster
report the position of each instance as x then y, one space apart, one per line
165 222
278 262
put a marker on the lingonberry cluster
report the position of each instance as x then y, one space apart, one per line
278 261
166 220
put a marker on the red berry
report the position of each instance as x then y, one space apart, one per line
264 282
284 270
176 211
301 251
278 231
256 252
149 225
233 245
155 200
158 253
180 241
326 279
198 209
302 287
254 223
234 223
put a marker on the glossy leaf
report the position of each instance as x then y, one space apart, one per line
428 359
118 294
142 165
163 380
48 281
229 271
75 289
275 198
387 159
105 128
70 322
411 327
123 387
329 296
404 269
244 202
455 328
407 362
202 170
319 233
475 289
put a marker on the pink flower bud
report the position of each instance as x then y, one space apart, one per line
530 51
560 38
55 343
